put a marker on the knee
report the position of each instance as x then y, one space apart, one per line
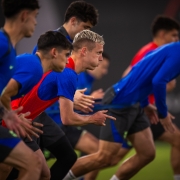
115 161
35 165
149 155
106 159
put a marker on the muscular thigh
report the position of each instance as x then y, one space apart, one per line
142 141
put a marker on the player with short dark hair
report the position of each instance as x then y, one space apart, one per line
164 23
20 22
79 16
30 67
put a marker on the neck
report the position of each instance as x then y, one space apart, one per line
14 31
44 62
78 63
158 41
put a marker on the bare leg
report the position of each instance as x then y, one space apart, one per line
24 159
145 153
88 144
45 173
174 140
97 160
120 155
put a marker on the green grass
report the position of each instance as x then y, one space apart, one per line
159 169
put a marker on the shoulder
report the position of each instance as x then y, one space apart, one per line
29 62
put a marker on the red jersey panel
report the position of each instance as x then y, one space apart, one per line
142 52
139 55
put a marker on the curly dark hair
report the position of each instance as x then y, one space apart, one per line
83 11
12 7
162 22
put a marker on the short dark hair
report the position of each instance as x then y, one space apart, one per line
162 22
83 11
12 7
106 56
53 39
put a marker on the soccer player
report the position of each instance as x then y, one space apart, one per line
52 54
79 15
53 50
20 21
79 138
86 54
148 76
164 30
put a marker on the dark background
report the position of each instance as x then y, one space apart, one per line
125 26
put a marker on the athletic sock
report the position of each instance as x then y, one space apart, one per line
114 177
177 177
69 176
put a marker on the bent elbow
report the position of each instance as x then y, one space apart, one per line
66 122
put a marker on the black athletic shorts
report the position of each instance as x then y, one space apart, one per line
157 130
8 140
51 133
128 121
73 133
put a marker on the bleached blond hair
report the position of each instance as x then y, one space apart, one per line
89 36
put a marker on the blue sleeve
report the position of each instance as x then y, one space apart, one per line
67 84
168 71
34 50
28 73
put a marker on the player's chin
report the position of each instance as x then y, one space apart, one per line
29 34
60 69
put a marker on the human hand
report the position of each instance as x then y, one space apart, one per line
100 117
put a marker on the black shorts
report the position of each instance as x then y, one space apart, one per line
128 121
8 140
51 133
157 130
72 133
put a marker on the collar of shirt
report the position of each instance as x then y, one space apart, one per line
63 31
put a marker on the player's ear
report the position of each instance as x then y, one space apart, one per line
73 20
24 15
54 52
83 51
162 33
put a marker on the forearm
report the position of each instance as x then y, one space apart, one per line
3 110
75 119
160 99
6 101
